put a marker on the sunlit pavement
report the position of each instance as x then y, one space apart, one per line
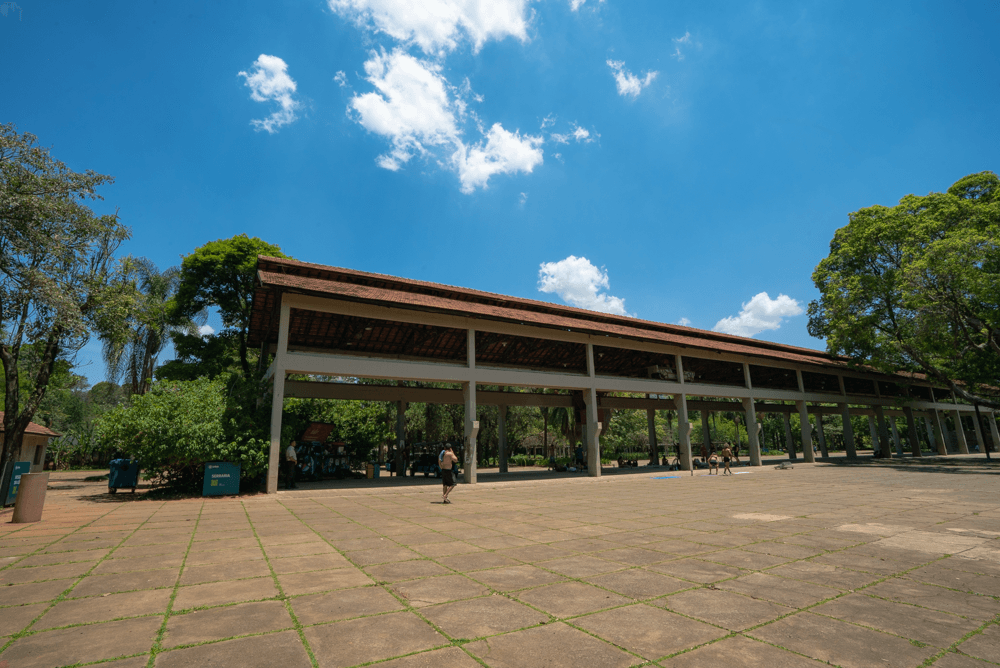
879 564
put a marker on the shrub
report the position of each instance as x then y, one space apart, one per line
178 426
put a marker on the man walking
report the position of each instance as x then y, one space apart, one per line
448 461
727 455
291 461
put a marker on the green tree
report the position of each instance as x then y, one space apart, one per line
917 287
222 274
59 278
132 351
178 426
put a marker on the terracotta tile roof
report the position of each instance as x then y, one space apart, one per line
33 428
284 275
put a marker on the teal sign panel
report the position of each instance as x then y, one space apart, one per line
20 468
221 479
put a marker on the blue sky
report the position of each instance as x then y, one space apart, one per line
696 154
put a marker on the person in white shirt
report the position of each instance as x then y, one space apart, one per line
291 461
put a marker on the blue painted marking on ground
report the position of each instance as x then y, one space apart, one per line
664 477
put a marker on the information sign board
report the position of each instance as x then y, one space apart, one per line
221 479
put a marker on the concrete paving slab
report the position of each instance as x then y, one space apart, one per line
80 644
484 616
935 598
825 574
219 623
279 649
909 621
647 631
477 561
343 604
639 583
724 608
14 620
696 570
581 566
361 641
406 570
222 593
745 560
316 562
312 582
567 599
553 646
105 608
236 570
840 643
788 592
99 585
954 660
935 574
16 575
741 651
35 592
428 591
449 657
985 645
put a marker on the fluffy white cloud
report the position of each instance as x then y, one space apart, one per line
340 78
576 4
581 134
684 322
504 152
205 330
437 26
759 314
629 85
268 80
578 133
411 106
579 283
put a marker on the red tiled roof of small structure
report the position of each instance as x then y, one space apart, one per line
33 428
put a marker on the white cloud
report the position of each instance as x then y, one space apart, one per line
523 199
268 80
559 138
578 133
576 4
340 78
581 134
579 283
411 106
206 330
759 314
548 121
684 322
417 110
437 26
503 153
685 41
629 85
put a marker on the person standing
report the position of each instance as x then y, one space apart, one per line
291 461
448 461
579 455
727 455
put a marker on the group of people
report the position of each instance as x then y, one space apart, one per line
627 463
711 458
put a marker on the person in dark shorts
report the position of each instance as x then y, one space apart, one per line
727 456
448 461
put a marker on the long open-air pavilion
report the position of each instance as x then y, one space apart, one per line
339 323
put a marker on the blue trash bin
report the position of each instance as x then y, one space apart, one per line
124 474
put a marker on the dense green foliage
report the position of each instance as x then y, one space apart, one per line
59 278
917 287
178 426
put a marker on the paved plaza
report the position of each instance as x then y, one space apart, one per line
881 564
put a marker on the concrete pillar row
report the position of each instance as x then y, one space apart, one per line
706 430
806 429
874 433
845 413
911 432
884 448
789 443
960 440
822 436
979 432
938 429
994 432
502 440
753 443
895 436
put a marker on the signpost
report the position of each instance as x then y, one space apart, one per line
20 468
221 479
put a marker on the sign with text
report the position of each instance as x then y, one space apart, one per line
221 479
20 468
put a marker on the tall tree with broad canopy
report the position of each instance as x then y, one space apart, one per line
59 278
221 274
917 287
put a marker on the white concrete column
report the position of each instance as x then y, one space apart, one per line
937 427
683 425
979 433
651 429
885 450
845 416
753 443
929 428
806 429
960 440
471 432
822 436
789 443
911 432
874 433
994 432
706 430
400 460
895 437
502 440
684 432
277 407
278 398
471 419
593 434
